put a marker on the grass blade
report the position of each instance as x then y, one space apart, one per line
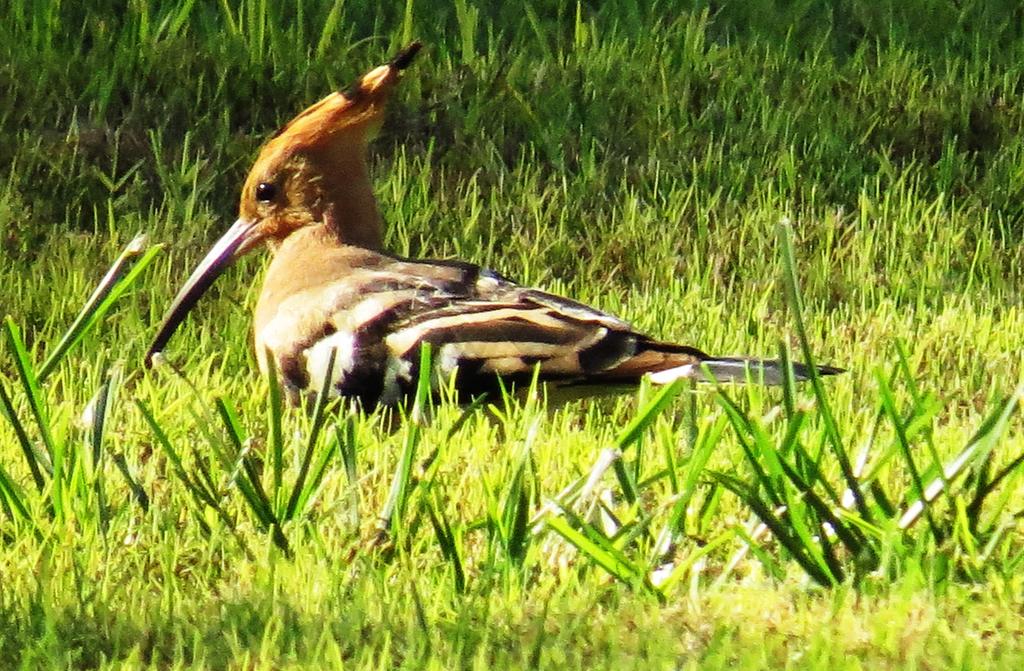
275 413
12 499
394 507
300 492
449 542
32 458
138 492
889 406
785 235
978 448
815 568
114 283
606 556
30 386
346 440
516 511
744 430
646 415
251 486
200 490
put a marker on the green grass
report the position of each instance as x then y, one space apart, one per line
843 179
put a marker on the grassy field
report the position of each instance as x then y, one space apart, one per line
844 177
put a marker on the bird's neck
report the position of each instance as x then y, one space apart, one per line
350 210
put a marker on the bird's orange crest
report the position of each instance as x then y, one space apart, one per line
351 114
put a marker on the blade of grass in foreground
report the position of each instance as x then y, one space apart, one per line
243 472
450 542
106 293
593 544
889 406
346 441
275 412
394 507
785 235
812 563
200 487
978 448
30 386
771 472
649 412
703 448
10 498
246 477
631 435
626 438
515 509
101 409
31 457
138 492
301 491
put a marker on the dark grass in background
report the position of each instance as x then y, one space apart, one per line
103 96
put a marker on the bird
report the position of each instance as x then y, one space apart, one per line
337 311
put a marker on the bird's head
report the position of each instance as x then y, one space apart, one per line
312 172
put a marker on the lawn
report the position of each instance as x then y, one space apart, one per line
773 178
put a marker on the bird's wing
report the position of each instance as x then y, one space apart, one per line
480 325
488 328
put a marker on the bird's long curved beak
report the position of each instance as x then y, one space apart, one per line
231 245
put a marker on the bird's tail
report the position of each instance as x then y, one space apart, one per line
738 369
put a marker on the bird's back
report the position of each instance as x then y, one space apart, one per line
375 311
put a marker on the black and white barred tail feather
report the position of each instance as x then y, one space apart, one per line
739 369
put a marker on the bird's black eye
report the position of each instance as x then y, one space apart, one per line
265 192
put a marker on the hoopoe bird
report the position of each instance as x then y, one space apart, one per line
333 295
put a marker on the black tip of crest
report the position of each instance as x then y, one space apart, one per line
404 58
400 61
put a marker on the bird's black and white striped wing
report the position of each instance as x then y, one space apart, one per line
482 328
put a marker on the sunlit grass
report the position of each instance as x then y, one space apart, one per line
639 159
